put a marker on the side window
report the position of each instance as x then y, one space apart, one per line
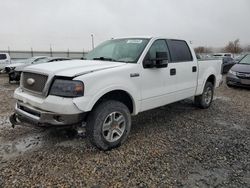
157 46
179 51
3 56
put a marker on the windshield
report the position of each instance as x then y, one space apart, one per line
34 60
121 50
245 60
41 60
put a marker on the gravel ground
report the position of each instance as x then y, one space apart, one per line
173 146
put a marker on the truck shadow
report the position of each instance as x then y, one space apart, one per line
162 116
35 139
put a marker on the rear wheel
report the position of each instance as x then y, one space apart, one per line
206 98
108 125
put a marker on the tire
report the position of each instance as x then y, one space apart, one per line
229 85
10 77
108 125
206 98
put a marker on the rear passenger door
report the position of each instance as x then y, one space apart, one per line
186 68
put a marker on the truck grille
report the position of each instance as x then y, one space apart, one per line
34 82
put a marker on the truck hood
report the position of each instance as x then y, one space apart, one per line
241 68
72 68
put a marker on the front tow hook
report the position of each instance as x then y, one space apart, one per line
13 120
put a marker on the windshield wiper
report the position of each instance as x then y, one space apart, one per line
104 59
109 59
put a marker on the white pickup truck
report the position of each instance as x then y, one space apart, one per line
4 60
119 78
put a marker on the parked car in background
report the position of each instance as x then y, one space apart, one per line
4 60
15 70
24 63
227 63
239 74
239 57
223 55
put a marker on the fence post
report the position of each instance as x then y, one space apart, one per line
68 53
51 54
32 53
8 50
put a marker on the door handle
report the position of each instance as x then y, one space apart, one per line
134 75
172 72
194 69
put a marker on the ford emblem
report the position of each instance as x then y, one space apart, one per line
30 81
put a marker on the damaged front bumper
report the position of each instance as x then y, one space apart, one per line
14 75
30 116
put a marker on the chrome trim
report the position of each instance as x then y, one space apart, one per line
243 74
21 112
45 118
45 91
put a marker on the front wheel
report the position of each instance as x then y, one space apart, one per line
229 85
206 98
108 125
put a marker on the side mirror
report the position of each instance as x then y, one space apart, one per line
160 61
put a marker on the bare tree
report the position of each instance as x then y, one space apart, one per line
233 47
246 49
202 50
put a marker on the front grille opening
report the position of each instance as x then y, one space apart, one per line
28 110
39 82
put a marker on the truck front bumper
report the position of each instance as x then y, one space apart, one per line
27 115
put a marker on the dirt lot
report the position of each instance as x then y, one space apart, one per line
173 146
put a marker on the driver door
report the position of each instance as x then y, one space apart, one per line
157 84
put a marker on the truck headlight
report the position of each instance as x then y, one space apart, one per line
67 88
232 72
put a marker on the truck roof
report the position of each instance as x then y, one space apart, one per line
148 37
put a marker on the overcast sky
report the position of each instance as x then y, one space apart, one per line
69 23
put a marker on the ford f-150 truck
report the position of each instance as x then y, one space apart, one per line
119 78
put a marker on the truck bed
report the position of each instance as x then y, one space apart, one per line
205 68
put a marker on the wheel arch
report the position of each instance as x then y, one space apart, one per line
211 79
118 95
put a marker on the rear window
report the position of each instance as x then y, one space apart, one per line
179 51
3 56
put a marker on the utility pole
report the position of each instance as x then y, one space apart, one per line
51 55
32 53
92 39
8 50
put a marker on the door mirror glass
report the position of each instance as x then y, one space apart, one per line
160 60
161 56
157 56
